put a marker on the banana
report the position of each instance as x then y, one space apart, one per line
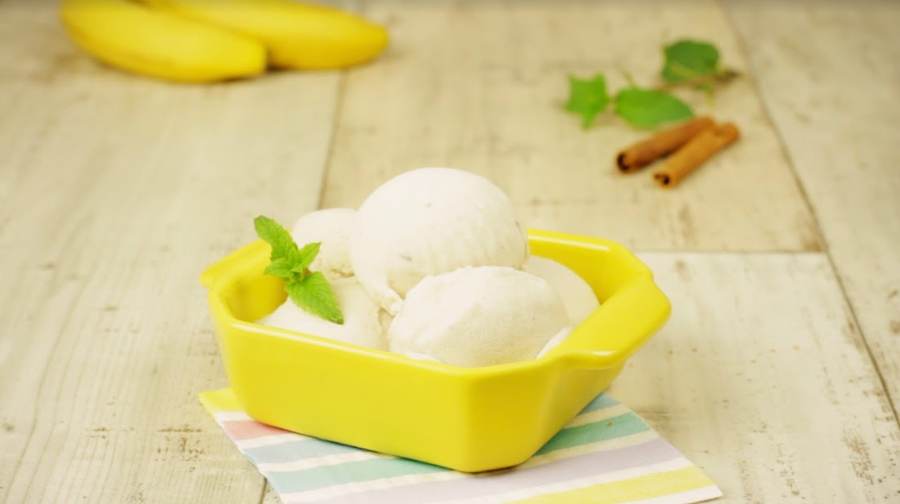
132 37
297 35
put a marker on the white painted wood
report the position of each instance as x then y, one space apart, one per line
761 377
270 497
830 77
115 192
490 101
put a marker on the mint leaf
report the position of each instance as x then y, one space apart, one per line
283 245
310 291
314 294
689 59
282 268
646 108
587 97
305 257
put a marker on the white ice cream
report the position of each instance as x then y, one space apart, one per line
332 228
575 293
431 221
418 356
555 341
478 317
363 319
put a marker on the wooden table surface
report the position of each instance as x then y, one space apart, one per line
779 372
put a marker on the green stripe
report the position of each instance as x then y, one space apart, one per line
387 467
368 470
348 472
622 425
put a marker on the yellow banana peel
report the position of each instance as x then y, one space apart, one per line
297 35
136 38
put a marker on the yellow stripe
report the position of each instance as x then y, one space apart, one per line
217 401
642 487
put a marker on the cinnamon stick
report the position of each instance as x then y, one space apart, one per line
695 152
665 142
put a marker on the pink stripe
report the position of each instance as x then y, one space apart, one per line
249 429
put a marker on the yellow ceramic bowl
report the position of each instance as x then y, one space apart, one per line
468 419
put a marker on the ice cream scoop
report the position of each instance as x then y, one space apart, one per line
332 228
431 221
575 293
555 341
363 319
478 316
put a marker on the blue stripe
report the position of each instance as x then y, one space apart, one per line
296 450
348 472
311 448
374 469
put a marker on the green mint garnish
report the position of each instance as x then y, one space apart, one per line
308 290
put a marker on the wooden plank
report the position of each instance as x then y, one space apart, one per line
491 102
270 497
830 74
761 377
115 192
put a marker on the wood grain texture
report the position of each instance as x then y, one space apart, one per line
762 378
830 76
115 192
270 497
491 102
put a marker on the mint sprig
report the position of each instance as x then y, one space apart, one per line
687 63
642 108
308 290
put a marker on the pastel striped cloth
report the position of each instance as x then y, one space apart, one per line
606 455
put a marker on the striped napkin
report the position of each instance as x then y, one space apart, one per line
606 455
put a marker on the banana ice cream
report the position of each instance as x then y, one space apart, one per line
434 266
332 228
555 341
364 322
575 293
478 316
428 222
